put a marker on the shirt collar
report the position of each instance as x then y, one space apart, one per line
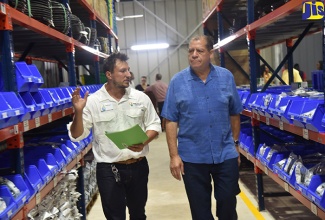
103 95
192 76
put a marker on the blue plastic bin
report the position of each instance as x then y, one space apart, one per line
294 112
51 104
42 167
10 202
11 109
24 77
34 179
59 102
312 114
313 195
318 80
37 78
24 195
30 105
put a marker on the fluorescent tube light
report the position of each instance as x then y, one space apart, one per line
129 16
150 46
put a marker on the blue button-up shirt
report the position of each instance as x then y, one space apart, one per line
203 111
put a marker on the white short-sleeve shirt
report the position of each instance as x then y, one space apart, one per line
103 113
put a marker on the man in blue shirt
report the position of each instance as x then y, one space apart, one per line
202 109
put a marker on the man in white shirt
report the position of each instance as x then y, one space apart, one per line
122 175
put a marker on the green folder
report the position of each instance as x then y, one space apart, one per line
128 137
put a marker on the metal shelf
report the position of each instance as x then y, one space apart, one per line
37 198
305 133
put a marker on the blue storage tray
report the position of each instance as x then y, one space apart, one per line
245 99
30 105
278 106
24 77
68 96
252 101
53 93
67 152
310 191
318 80
38 98
10 202
37 78
312 194
11 109
52 105
260 156
33 179
294 112
42 167
312 114
24 195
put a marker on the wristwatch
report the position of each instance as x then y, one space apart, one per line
236 142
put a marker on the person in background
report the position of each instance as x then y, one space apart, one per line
122 175
266 74
285 75
143 85
319 65
202 109
159 89
301 73
132 80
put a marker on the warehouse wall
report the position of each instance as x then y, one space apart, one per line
177 19
307 54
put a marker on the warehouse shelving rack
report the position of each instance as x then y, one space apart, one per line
281 25
19 33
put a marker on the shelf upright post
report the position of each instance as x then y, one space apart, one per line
220 36
70 53
8 73
323 42
8 78
96 57
253 89
289 45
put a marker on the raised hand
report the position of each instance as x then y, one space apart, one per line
77 101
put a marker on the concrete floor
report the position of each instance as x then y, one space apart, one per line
167 198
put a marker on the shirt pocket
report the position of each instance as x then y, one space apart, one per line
135 115
105 116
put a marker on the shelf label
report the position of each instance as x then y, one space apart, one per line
26 125
286 187
37 122
313 208
281 125
38 198
305 134
258 117
16 129
3 9
50 117
267 120
266 171
4 115
78 157
247 156
63 112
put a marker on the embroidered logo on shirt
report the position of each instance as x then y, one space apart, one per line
106 107
135 104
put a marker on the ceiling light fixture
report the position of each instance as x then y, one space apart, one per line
129 16
150 46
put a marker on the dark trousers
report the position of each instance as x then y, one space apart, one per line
131 191
197 180
160 108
